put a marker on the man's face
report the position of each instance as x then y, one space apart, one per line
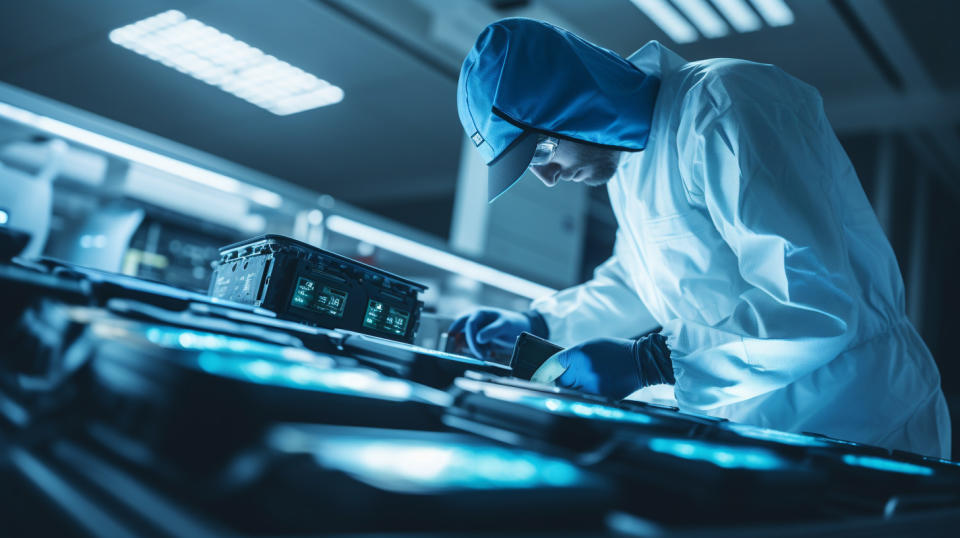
579 163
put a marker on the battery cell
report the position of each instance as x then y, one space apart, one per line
309 285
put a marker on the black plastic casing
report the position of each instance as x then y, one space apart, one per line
264 272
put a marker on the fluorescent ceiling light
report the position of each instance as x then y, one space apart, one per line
205 53
667 18
739 14
775 12
704 17
264 197
437 258
139 155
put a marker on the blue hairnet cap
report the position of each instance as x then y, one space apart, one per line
525 77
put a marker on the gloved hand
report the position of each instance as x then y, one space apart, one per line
615 367
493 329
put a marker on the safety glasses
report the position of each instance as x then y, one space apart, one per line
546 149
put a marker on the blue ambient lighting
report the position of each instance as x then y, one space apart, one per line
4 217
590 410
764 434
941 461
728 457
306 377
882 464
417 465
170 337
558 406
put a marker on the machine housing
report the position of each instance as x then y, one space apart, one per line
306 284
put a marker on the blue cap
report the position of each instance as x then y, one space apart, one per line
526 77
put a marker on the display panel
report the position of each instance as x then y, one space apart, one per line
385 318
324 299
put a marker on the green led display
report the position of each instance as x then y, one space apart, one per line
311 296
386 318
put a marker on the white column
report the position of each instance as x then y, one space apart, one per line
468 227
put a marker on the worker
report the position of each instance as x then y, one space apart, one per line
743 231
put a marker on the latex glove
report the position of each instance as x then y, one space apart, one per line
615 367
492 329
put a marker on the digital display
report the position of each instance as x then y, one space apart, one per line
386 318
312 296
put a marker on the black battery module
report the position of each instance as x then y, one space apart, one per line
529 354
306 284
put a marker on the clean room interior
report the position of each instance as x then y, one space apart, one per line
123 176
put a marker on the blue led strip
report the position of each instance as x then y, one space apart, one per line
883 464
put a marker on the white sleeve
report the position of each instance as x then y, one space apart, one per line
765 162
605 306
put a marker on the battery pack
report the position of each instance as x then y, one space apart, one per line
306 284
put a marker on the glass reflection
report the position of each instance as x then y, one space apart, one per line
883 464
776 436
170 337
410 464
559 406
728 457
301 376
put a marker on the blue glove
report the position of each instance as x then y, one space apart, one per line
492 329
615 367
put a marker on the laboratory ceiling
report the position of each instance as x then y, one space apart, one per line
394 134
395 140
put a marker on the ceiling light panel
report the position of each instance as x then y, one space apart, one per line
775 12
703 17
739 14
205 53
667 18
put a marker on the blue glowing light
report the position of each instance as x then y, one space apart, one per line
307 377
414 464
764 434
590 410
728 457
942 461
559 406
171 337
882 464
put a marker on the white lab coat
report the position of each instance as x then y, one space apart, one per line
745 233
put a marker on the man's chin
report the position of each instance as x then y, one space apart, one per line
596 182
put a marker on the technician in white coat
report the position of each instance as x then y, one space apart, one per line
743 231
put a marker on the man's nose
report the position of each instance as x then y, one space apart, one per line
547 173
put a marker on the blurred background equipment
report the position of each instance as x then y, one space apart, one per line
26 200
